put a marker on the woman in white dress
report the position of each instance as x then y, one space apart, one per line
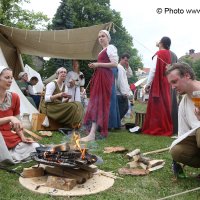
75 79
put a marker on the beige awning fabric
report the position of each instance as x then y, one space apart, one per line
79 43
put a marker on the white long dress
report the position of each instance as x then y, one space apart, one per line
75 90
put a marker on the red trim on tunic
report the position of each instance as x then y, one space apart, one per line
11 139
158 116
100 93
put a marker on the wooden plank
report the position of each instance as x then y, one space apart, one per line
32 134
33 172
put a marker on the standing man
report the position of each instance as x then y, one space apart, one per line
123 88
187 151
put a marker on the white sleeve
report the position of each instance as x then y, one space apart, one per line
50 88
152 71
30 90
112 53
129 72
183 126
81 81
122 82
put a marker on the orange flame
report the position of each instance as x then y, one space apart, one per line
76 141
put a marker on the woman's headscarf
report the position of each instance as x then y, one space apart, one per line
107 33
21 74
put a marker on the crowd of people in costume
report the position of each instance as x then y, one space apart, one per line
108 101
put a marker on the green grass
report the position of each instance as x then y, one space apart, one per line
156 185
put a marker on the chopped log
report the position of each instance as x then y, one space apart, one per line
59 171
132 164
136 157
32 134
156 167
144 166
33 172
154 163
60 183
133 153
144 160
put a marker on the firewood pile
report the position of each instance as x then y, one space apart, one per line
139 164
60 177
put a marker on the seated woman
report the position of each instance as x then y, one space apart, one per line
55 103
23 85
14 146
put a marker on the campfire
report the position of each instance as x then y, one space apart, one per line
65 155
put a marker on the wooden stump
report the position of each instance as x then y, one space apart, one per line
60 183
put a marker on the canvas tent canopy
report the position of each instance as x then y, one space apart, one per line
79 43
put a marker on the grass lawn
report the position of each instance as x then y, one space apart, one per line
156 185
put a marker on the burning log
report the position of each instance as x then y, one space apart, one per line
60 183
61 147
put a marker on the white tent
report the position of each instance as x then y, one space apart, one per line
79 43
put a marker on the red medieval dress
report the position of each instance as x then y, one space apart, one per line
11 139
158 119
100 96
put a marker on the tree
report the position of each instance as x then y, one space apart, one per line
84 13
196 67
12 14
195 64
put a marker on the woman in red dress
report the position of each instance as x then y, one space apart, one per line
14 146
158 119
97 114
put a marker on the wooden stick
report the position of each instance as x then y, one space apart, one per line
187 191
32 134
156 151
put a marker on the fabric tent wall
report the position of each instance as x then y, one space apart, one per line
78 43
31 72
25 105
12 56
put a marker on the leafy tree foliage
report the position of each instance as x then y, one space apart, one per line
84 13
12 14
194 64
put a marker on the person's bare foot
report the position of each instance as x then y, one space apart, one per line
88 138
